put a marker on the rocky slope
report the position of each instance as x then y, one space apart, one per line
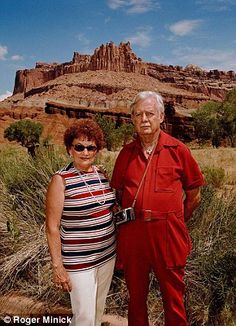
121 58
107 57
107 81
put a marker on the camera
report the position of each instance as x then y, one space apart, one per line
124 215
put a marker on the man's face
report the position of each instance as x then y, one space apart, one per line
146 117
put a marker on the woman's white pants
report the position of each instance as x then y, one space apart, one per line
89 292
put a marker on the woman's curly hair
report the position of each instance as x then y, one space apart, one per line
84 128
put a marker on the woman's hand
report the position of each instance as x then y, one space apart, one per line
61 278
116 208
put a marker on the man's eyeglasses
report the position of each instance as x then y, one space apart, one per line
81 148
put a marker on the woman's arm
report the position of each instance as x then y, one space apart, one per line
54 207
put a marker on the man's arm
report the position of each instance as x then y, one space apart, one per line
191 202
119 197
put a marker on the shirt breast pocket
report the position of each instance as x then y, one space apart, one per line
164 179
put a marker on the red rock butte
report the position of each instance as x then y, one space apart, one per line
121 58
107 81
107 57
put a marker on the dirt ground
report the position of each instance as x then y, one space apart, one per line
14 305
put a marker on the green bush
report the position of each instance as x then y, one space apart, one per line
26 132
211 273
216 121
115 136
214 176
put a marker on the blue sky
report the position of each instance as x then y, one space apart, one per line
175 32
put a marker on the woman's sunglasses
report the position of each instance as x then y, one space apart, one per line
81 148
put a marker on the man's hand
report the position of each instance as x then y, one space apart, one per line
119 197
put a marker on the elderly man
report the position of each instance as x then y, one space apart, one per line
157 176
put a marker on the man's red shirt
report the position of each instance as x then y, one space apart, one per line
171 171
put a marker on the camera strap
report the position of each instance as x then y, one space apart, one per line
144 174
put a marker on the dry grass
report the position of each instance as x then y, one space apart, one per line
26 255
222 157
24 259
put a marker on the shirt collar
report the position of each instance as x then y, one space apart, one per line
164 140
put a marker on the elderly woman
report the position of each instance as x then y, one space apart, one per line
80 229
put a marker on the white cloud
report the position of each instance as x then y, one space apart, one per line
5 95
85 43
142 38
16 57
207 58
216 5
83 39
134 6
3 52
184 27
115 4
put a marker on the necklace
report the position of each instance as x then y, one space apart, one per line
149 149
89 188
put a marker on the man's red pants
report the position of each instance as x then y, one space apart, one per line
143 247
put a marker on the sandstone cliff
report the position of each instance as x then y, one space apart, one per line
107 57
121 58
107 81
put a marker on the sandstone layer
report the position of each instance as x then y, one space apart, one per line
107 81
107 57
121 58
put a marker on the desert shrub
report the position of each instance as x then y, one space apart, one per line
24 258
108 128
211 273
25 262
106 161
207 124
228 119
26 178
26 132
217 121
115 136
125 133
223 157
214 176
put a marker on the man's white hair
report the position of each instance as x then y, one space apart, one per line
145 94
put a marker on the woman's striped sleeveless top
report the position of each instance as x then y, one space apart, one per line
87 228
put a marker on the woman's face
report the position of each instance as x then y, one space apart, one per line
83 152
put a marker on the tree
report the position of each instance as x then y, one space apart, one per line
108 128
126 132
231 97
114 137
207 124
228 116
217 121
25 132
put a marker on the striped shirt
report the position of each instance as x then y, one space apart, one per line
87 228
